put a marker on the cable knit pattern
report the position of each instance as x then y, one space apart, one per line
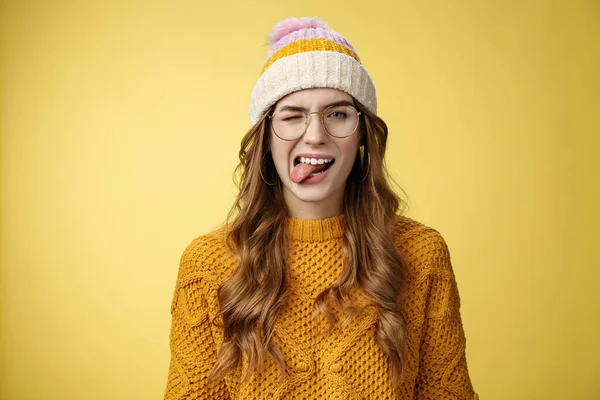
347 363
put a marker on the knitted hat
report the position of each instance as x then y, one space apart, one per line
306 53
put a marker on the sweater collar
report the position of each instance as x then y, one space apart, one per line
315 230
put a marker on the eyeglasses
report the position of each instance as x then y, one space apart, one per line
339 121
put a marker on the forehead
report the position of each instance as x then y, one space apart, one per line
314 98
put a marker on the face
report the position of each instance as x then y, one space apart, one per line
307 191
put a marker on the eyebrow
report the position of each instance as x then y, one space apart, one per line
298 108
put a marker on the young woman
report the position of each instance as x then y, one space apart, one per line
318 287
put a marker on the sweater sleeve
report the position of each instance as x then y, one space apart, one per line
193 351
443 372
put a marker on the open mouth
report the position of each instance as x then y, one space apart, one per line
306 168
318 165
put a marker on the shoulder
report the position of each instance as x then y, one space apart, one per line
206 258
422 247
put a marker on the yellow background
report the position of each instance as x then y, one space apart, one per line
120 126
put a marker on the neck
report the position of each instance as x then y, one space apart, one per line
326 208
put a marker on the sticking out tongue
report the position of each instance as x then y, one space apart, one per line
301 171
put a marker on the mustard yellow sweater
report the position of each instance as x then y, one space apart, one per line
346 364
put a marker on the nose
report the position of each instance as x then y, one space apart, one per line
315 131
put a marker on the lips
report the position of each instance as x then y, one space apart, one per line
304 170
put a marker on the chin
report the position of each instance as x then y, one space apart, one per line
310 195
314 193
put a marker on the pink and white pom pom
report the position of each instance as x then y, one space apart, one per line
293 24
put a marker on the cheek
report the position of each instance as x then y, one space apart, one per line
349 149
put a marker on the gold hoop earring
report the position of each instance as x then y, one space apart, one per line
261 175
368 166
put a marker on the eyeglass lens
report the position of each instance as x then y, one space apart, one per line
339 121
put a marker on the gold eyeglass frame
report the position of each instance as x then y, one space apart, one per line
358 113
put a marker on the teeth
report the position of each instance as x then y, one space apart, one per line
314 161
